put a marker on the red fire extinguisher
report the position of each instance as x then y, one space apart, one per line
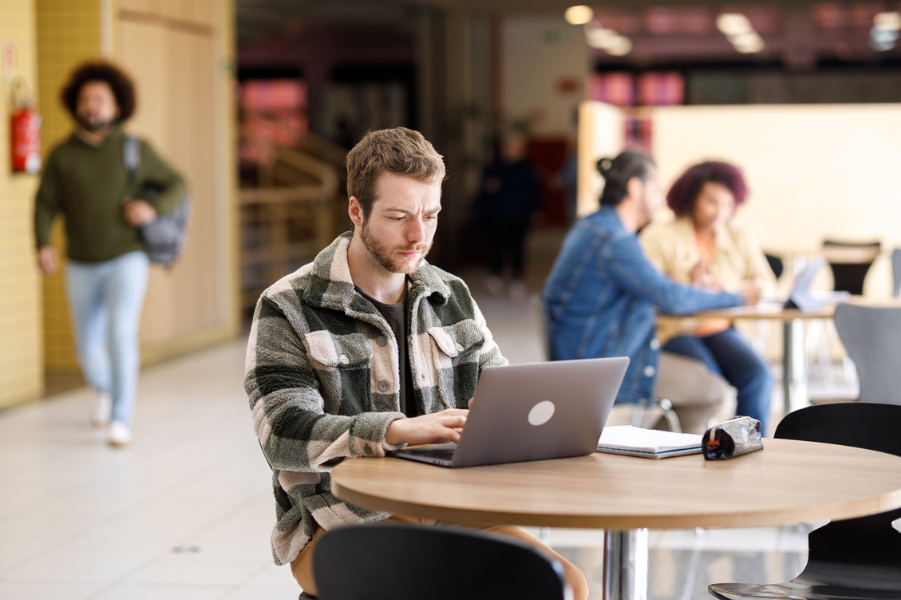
25 132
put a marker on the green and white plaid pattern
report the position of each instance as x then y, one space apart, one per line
323 380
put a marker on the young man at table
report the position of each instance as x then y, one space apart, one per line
602 292
366 349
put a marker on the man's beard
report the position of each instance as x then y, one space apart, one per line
384 256
93 126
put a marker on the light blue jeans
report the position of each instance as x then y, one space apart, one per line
105 300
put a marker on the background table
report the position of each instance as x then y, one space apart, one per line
794 360
788 482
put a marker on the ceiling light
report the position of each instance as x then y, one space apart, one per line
890 21
750 43
620 46
882 40
598 37
578 15
733 23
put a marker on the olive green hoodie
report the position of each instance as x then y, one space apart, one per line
88 184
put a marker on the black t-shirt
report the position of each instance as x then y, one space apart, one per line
396 315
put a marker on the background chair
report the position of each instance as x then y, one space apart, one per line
872 338
896 272
776 264
384 561
850 262
856 559
642 415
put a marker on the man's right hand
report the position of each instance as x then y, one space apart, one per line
439 427
48 261
752 295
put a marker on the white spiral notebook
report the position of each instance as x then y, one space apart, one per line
647 443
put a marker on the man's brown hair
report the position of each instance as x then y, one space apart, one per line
400 151
100 70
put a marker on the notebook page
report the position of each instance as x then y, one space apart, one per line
626 437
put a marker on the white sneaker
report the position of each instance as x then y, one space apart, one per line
103 408
119 434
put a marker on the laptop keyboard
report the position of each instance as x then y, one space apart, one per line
444 453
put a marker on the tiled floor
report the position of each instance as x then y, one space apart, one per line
185 512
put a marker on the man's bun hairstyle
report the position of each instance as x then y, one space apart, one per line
618 171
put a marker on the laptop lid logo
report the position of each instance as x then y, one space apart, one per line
541 413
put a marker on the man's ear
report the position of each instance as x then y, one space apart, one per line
634 187
355 211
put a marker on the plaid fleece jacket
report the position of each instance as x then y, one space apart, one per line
323 379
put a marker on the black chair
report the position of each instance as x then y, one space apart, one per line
857 559
850 262
776 264
383 561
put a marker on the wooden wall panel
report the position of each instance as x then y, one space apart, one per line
176 70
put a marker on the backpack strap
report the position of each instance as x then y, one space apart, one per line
131 153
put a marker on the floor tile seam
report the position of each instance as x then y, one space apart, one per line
121 578
86 531
212 523
36 556
240 586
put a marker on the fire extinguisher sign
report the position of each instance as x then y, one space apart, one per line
9 58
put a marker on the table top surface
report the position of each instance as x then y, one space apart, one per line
787 482
775 310
764 310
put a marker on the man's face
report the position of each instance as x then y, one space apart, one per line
400 227
96 108
651 199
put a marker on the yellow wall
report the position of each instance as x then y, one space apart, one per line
185 109
20 348
68 32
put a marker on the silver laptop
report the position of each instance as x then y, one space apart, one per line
800 296
532 412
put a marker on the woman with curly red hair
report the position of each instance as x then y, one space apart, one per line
703 247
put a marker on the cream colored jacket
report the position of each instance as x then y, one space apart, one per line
737 263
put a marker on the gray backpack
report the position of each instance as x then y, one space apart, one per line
163 238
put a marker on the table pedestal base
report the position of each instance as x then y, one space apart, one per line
626 565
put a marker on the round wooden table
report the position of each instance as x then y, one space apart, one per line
788 482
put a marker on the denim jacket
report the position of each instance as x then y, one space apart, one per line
601 297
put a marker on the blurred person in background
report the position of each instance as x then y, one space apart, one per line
509 198
703 247
602 294
86 181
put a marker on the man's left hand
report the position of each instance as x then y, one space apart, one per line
138 212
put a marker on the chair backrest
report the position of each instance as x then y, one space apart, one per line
861 552
383 561
872 338
896 272
858 424
850 262
539 313
776 264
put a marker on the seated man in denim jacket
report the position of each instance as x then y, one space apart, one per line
602 292
366 349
